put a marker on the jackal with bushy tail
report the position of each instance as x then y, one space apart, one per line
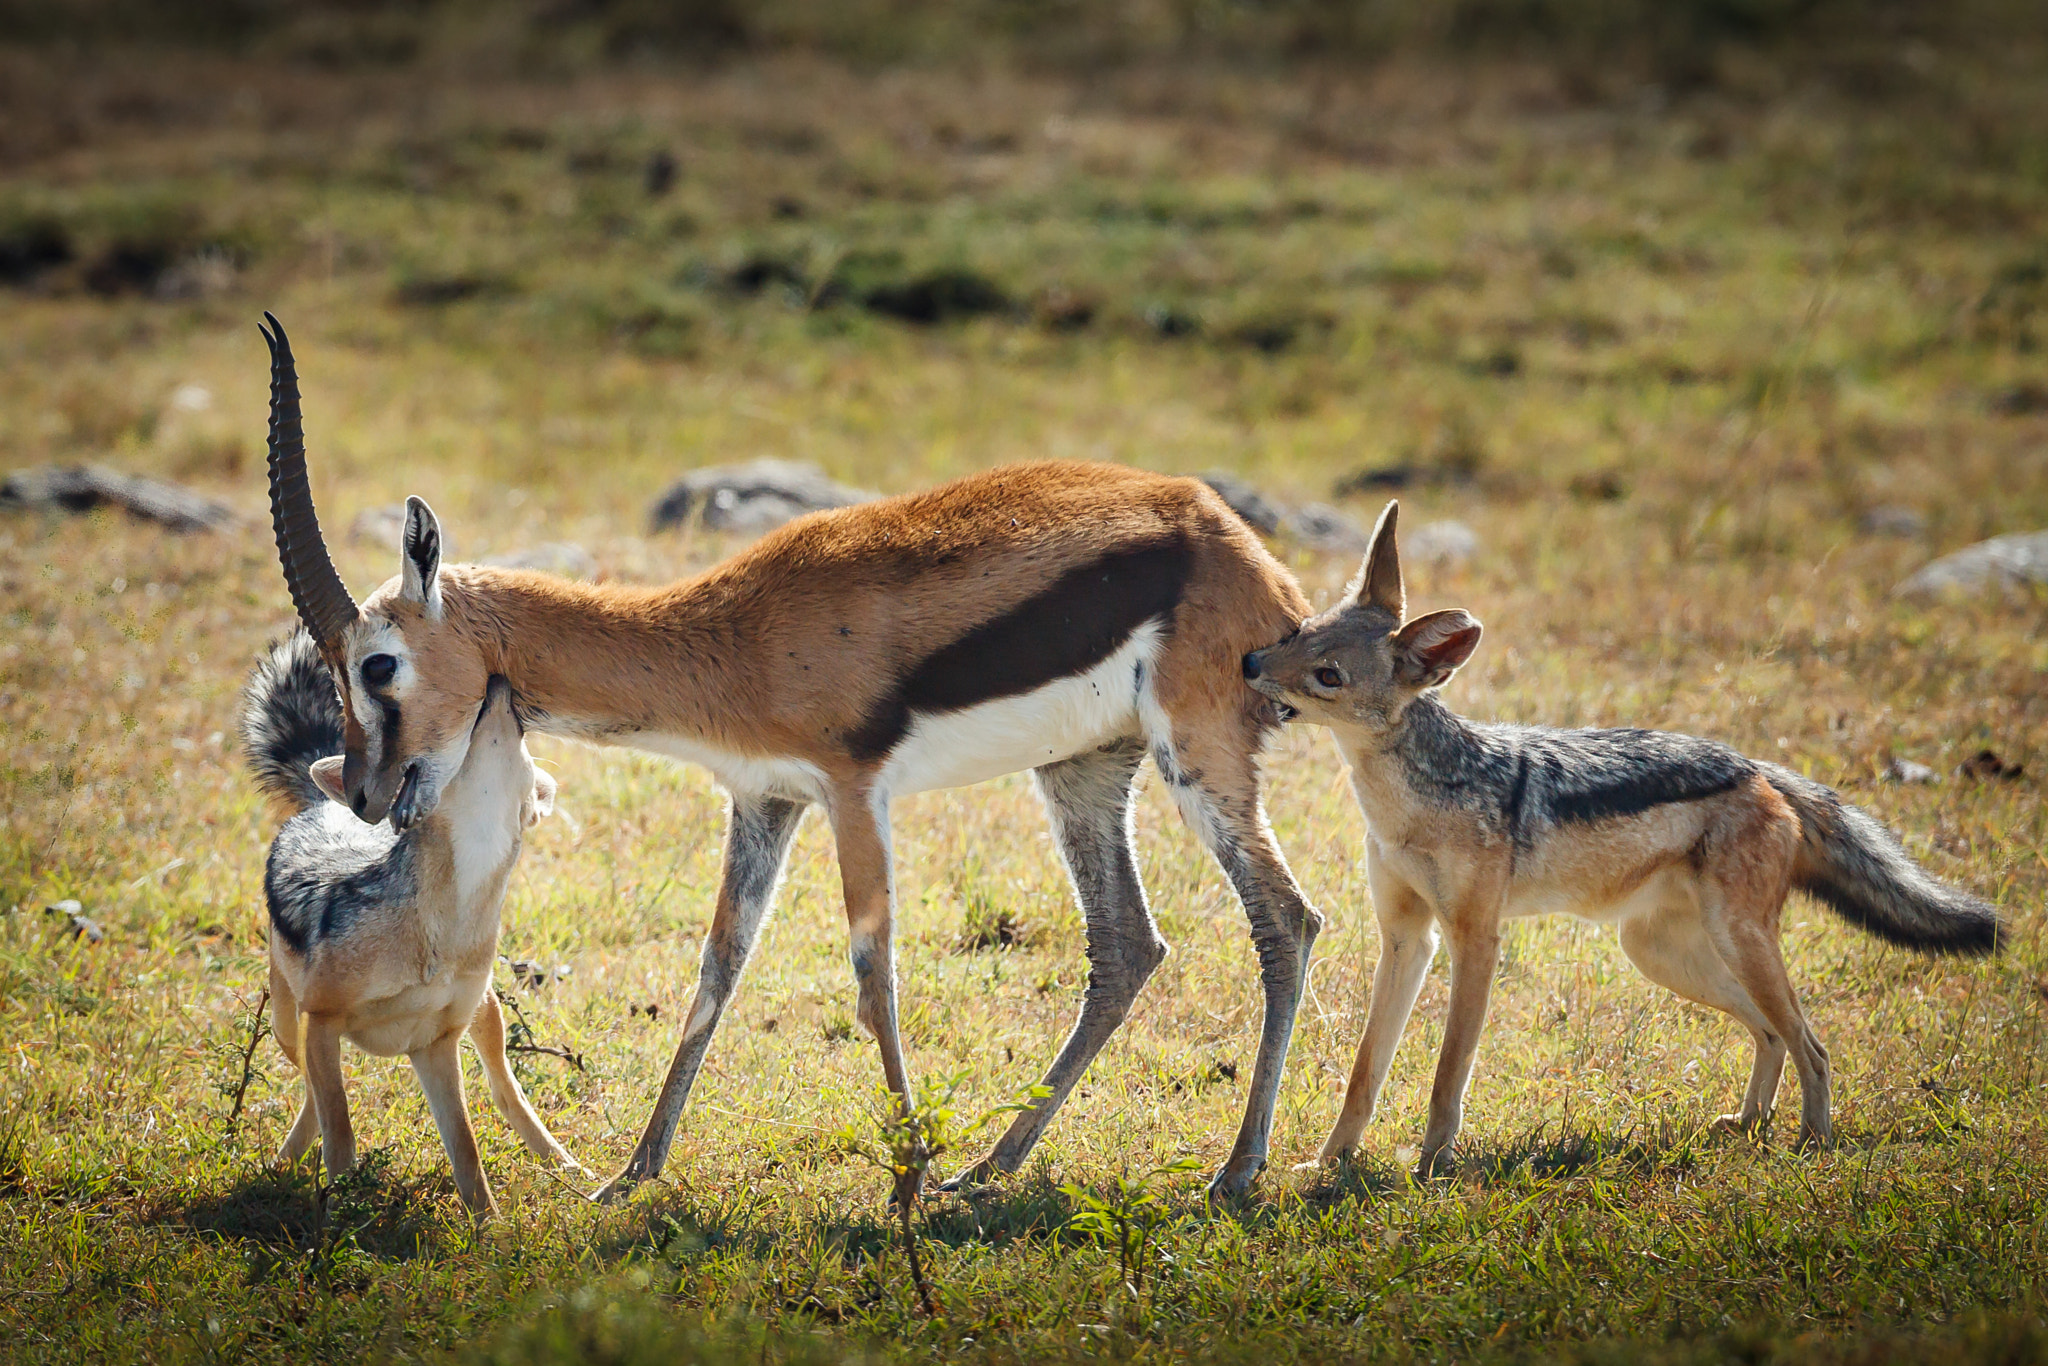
1684 845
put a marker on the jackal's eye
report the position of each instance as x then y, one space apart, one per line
379 670
1329 677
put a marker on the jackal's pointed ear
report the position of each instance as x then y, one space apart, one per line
1379 579
420 556
326 775
541 804
1429 649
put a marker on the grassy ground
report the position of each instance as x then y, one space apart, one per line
1664 358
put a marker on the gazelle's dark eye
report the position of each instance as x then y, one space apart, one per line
379 670
1329 678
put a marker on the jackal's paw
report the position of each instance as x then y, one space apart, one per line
1746 1125
1235 1177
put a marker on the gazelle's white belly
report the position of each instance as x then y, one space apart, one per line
1052 722
746 774
956 748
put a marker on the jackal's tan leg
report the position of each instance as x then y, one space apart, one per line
1474 936
1742 894
487 1033
1089 800
320 1058
284 1027
1670 946
757 839
439 1069
1407 945
1751 952
860 828
1214 781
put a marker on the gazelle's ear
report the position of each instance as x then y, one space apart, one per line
1379 579
326 775
1429 649
420 557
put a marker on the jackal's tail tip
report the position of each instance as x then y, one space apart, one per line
291 716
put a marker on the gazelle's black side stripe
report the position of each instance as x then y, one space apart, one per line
1075 623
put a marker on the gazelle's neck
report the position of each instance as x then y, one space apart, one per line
594 662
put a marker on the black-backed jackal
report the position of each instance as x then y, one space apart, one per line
1685 846
388 939
1069 619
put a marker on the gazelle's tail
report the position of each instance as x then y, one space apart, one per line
291 716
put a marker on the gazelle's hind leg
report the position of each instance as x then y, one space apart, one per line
756 844
1089 800
1670 946
1408 940
487 1033
284 1027
1213 776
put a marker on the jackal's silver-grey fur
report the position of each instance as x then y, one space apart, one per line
325 867
385 938
1525 781
1687 848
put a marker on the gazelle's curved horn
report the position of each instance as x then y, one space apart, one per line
317 590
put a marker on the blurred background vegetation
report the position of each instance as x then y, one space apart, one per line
1675 40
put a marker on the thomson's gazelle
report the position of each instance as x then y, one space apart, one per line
1064 618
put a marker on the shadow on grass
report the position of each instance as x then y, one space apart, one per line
1548 1152
689 1224
279 1213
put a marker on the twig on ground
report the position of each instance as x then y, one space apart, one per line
238 1090
519 1038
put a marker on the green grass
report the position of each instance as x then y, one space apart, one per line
1662 358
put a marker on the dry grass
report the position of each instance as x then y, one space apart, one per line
1751 319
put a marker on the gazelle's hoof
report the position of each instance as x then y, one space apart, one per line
979 1177
1743 1126
615 1190
1234 1179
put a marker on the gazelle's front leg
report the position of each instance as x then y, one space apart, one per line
1474 927
860 826
756 844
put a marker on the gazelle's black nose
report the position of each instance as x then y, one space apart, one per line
1251 664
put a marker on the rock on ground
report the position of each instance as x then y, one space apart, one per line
563 558
1313 524
2016 562
1260 513
1441 544
1322 526
385 526
81 488
757 496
